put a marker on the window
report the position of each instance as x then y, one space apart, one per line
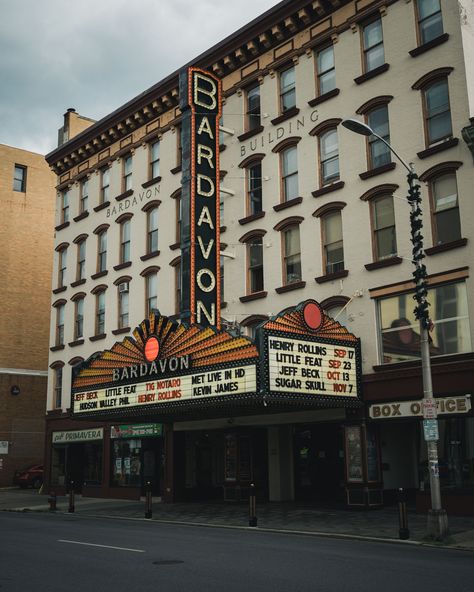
127 172
125 241
430 23
62 265
291 255
81 261
287 89
102 251
253 108
123 305
339 314
177 283
84 196
60 324
383 221
446 219
255 265
379 154
152 230
179 146
179 217
254 189
326 72
154 160
100 313
151 281
65 206
289 170
104 185
437 111
79 318
19 178
399 330
333 250
373 45
57 386
328 157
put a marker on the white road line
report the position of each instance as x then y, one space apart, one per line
103 546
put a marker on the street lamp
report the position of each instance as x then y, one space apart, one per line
437 517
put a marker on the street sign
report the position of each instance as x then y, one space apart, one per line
430 429
429 408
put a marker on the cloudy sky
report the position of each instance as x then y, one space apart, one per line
94 55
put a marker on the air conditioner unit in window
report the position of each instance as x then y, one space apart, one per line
123 287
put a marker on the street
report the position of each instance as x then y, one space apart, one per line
43 552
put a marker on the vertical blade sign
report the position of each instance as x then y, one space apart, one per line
200 102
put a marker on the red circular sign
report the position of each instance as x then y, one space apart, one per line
152 349
312 316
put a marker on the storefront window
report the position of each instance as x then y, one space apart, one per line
454 457
126 463
399 330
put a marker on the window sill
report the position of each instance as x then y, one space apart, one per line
76 342
122 265
121 331
81 217
223 305
383 263
385 168
151 182
56 348
444 145
149 255
427 46
462 242
98 337
61 226
254 296
288 204
175 246
177 169
59 290
322 279
250 133
251 218
223 229
99 274
286 115
102 206
222 147
325 97
328 189
372 74
123 195
78 283
290 287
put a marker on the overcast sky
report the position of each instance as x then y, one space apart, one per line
94 55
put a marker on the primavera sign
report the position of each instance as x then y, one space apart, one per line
165 365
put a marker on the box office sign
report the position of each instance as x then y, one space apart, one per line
444 406
311 354
165 365
78 436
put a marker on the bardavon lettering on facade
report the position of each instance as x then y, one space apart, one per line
157 367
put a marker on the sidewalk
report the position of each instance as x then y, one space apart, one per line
291 516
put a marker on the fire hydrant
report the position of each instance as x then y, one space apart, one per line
52 501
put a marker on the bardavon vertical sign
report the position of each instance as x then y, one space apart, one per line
200 102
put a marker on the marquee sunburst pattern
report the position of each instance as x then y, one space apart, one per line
204 346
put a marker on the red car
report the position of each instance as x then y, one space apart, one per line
29 477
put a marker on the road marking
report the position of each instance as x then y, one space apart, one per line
103 546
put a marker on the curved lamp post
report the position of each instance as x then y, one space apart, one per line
437 518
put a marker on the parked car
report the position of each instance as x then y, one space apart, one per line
32 476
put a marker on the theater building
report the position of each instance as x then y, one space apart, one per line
240 230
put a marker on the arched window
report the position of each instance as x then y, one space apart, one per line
62 264
291 249
151 288
78 300
99 325
57 369
60 307
331 236
254 247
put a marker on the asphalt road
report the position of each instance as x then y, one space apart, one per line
69 553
